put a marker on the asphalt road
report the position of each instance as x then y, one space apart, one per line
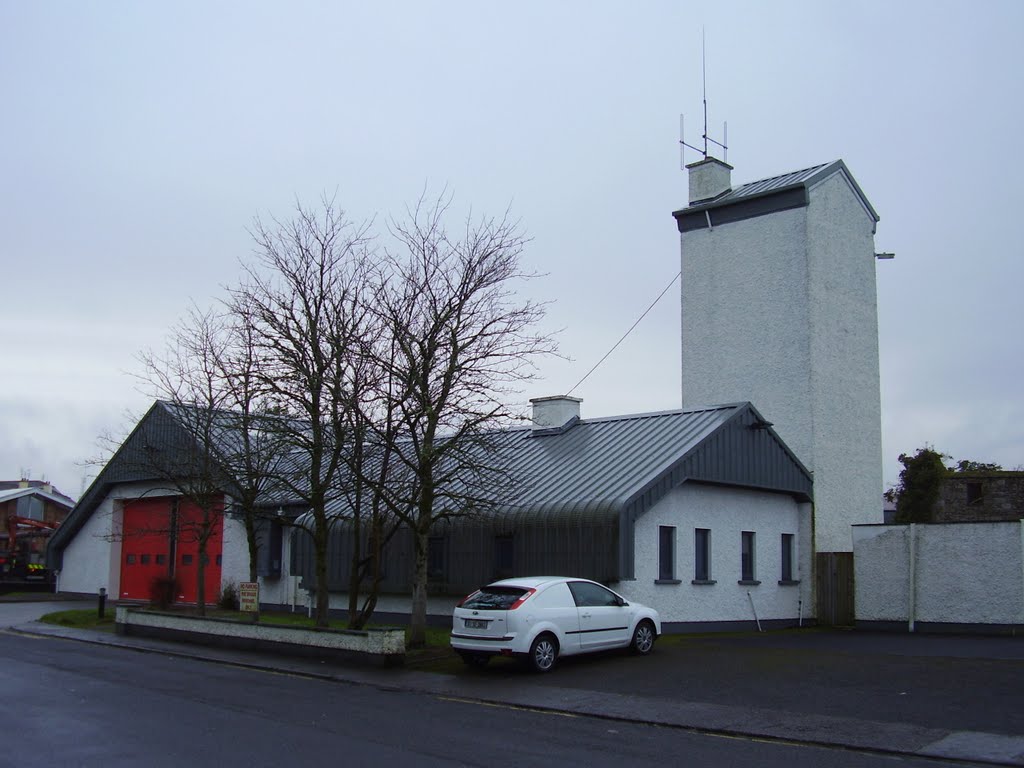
74 704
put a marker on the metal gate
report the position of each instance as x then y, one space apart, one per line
834 588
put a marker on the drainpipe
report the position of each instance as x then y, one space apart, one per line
913 578
751 599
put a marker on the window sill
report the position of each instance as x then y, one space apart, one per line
789 582
703 582
667 581
748 582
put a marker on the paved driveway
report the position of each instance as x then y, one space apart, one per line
15 613
954 682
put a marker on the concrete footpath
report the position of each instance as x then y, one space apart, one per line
838 695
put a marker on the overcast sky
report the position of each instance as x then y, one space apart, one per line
139 140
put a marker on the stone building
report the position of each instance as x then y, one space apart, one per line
980 496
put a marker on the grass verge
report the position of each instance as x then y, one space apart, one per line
437 638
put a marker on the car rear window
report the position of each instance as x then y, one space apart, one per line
494 598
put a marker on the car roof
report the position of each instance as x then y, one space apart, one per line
532 582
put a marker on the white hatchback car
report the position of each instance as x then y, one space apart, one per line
540 618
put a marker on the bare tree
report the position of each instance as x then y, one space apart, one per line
304 300
186 374
461 344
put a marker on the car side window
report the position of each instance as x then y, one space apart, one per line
586 594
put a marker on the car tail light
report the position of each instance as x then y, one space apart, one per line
471 594
522 599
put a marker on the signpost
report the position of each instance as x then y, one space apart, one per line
249 597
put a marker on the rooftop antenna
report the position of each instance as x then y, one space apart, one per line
723 144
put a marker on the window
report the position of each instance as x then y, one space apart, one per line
494 598
504 557
702 555
143 559
591 595
129 559
787 557
161 559
435 558
747 558
666 553
186 559
270 546
975 494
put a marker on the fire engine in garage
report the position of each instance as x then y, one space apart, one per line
25 559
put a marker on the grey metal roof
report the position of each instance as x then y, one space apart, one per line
600 465
597 470
804 178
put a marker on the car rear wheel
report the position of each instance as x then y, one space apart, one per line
543 653
643 638
477 660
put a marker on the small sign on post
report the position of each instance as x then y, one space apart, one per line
249 596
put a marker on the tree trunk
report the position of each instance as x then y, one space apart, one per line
418 619
323 596
354 571
201 571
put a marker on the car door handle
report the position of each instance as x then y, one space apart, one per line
585 616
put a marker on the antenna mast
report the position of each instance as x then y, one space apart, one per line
723 144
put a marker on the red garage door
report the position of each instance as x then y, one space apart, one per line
190 518
149 550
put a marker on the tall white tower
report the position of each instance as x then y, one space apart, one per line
779 308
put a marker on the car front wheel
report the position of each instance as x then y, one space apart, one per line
543 653
643 638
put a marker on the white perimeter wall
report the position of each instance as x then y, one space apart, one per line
964 573
726 512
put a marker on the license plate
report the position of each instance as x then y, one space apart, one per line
476 624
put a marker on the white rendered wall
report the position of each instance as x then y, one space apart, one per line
780 310
745 321
89 560
845 390
964 573
726 513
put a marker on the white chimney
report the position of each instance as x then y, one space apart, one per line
553 413
709 178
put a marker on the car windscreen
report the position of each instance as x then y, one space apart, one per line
494 598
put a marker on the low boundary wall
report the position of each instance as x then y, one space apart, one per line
940 577
381 646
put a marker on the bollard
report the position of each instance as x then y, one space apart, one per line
102 601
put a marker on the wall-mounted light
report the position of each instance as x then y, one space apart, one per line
885 256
